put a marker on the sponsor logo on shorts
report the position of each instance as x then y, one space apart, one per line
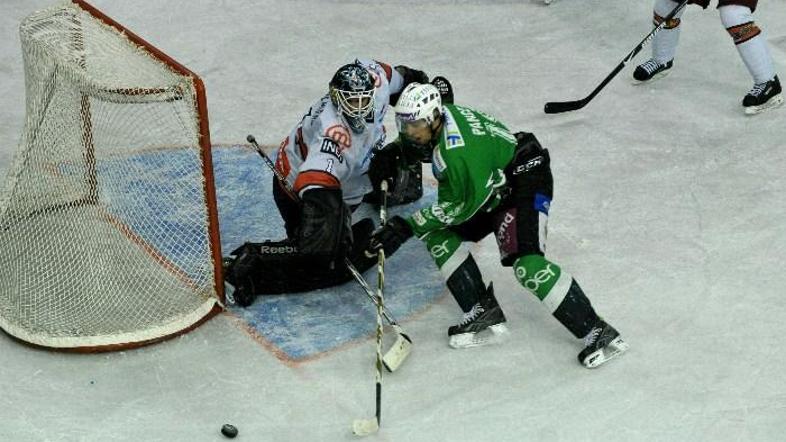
503 235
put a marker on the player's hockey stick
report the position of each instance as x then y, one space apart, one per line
555 107
400 349
364 427
403 346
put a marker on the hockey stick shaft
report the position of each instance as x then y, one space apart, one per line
370 293
380 303
555 107
269 163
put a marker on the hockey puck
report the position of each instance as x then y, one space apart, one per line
229 430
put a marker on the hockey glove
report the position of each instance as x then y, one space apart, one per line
409 75
445 89
530 156
385 166
530 171
389 237
325 226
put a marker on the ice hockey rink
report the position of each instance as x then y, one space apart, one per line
670 210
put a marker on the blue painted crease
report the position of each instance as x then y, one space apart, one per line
301 325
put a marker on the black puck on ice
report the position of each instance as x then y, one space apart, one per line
229 430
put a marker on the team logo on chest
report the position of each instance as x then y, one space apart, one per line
340 135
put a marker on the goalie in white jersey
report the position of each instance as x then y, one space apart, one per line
325 159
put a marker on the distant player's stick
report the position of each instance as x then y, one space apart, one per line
555 107
364 427
400 349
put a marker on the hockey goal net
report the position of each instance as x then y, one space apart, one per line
108 224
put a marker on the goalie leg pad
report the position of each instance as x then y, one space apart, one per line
277 267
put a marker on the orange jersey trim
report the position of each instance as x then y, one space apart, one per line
316 178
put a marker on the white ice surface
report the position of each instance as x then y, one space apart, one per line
670 209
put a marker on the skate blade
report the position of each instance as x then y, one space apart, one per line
655 77
607 353
492 335
776 101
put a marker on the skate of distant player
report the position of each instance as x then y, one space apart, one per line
489 181
737 18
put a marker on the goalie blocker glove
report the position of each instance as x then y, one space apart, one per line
324 227
402 172
410 76
445 89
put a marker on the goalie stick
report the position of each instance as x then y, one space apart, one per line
402 347
555 107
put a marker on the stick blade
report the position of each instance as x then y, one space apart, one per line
364 427
397 353
557 107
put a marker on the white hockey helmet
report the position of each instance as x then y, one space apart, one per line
418 107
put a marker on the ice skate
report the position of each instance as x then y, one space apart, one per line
601 344
651 70
484 324
763 96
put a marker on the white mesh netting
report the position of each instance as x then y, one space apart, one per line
104 219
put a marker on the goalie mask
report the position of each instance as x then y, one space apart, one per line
419 118
352 92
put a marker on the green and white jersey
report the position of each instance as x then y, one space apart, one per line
469 164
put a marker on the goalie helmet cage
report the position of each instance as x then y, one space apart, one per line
108 220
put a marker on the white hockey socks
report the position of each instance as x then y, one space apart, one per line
750 41
664 45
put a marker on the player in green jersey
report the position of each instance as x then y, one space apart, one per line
490 180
